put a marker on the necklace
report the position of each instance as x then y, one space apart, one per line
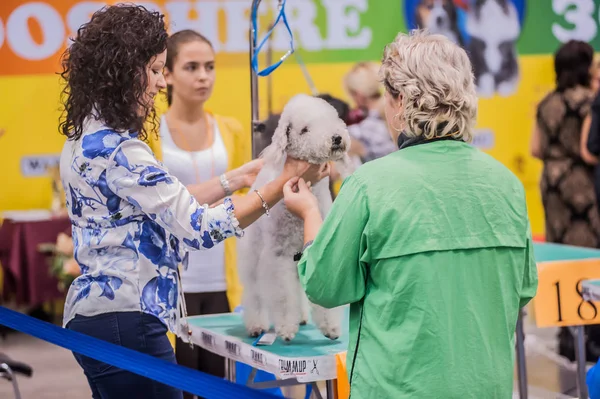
211 139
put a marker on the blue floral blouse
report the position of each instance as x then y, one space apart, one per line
133 224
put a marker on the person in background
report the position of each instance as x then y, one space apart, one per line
372 134
567 182
587 122
197 146
430 245
132 221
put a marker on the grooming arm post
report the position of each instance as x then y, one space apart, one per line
253 83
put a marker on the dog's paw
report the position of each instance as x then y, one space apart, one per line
255 330
486 86
506 89
287 332
331 332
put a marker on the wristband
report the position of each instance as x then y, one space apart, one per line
225 185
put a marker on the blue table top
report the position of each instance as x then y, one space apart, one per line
547 252
309 342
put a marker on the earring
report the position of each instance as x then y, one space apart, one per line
397 116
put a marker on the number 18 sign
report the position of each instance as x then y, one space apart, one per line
559 300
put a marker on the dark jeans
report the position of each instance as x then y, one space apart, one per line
134 330
196 357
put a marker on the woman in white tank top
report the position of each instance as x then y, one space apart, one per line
194 151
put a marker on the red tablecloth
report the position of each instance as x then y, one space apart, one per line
26 270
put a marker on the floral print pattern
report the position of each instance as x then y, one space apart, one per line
133 224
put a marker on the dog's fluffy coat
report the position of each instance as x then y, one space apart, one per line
309 129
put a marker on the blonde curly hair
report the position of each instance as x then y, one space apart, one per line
434 78
363 79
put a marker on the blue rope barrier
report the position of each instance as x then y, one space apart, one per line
180 377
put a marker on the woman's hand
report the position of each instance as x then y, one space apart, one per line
245 175
307 171
299 199
250 170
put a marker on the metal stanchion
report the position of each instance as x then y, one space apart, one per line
230 370
579 335
253 86
521 362
269 79
330 389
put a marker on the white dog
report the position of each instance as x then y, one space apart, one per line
310 130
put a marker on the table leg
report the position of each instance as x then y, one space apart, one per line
521 362
230 370
579 334
316 391
330 389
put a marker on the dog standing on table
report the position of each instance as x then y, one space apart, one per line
309 129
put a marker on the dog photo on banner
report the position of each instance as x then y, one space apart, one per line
475 25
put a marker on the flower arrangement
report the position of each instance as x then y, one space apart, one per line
62 262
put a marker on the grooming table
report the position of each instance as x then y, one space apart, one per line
310 357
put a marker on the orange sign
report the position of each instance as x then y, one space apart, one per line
559 300
343 386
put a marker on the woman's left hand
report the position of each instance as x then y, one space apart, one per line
245 175
298 198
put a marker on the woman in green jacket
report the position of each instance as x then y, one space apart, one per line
430 245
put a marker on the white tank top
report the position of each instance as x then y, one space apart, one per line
206 269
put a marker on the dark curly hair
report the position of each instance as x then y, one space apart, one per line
105 70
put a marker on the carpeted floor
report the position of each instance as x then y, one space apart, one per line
56 374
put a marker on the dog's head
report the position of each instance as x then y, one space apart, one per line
309 129
438 15
495 24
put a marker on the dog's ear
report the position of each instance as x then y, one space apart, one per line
275 152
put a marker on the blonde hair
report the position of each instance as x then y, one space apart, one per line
434 78
363 79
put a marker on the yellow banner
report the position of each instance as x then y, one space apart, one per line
331 35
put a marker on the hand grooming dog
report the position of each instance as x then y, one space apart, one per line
309 129
493 26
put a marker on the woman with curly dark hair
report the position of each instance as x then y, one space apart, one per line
132 221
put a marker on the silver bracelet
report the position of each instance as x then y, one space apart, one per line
225 185
264 203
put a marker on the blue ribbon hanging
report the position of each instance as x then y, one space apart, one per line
280 16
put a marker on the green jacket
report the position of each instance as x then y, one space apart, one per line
431 247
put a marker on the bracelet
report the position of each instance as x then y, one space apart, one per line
225 185
264 203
